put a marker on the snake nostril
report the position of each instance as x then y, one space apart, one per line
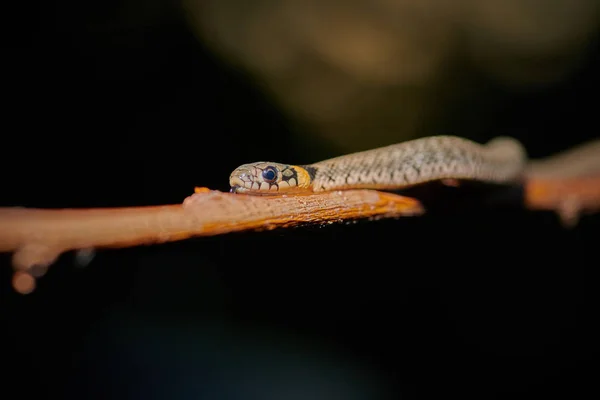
242 174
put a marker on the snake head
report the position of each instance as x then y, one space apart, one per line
268 178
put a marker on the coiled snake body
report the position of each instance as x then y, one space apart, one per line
502 160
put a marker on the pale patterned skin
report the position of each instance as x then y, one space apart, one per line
401 165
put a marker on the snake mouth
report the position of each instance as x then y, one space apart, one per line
237 189
240 179
237 184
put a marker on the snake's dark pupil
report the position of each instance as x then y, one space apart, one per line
269 174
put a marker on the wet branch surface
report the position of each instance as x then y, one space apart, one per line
568 183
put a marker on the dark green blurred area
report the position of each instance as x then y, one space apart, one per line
106 105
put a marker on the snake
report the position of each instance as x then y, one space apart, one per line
501 160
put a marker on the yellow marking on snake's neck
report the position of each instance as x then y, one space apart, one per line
304 181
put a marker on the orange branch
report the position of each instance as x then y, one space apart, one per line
569 197
567 183
37 237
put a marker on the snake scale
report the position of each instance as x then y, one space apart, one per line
501 160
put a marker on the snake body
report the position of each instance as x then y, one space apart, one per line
502 160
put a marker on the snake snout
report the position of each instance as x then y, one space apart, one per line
240 179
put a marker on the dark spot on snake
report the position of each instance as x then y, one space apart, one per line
312 171
288 174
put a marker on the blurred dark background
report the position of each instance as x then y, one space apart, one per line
127 103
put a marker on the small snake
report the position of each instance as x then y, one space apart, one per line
502 160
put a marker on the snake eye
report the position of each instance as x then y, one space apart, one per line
269 174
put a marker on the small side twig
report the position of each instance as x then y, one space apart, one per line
567 183
569 198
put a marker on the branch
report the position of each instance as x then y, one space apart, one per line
569 198
568 183
37 237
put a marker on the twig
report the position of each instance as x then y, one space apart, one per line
569 198
567 183
37 237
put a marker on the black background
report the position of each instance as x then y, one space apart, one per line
485 302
